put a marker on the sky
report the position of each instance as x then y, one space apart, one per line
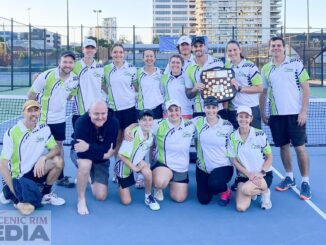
129 13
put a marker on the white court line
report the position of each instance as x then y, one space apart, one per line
309 202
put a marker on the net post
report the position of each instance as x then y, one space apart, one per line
12 54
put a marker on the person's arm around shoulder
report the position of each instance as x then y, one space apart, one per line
37 87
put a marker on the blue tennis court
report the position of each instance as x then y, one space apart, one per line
290 221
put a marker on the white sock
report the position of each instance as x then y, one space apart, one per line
305 179
147 195
290 174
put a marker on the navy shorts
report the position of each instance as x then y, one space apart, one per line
58 130
285 130
126 117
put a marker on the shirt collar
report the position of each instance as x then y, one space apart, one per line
250 136
238 65
124 66
93 65
57 76
157 71
218 124
23 128
182 124
285 61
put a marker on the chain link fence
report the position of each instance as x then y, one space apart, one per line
26 49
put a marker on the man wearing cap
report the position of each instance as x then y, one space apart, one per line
90 76
95 139
184 49
23 156
287 83
131 160
202 61
52 88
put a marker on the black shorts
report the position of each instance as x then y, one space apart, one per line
30 175
158 112
58 130
285 130
126 117
268 178
198 114
178 177
126 182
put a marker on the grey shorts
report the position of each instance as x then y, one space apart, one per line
178 177
99 172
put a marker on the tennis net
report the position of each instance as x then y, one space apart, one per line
11 112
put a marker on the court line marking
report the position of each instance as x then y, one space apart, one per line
309 202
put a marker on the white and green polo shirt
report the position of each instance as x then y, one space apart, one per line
120 83
250 153
247 75
134 150
149 89
175 88
89 89
283 84
212 143
53 94
23 147
186 63
193 73
173 144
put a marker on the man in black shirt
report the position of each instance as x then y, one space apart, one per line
95 139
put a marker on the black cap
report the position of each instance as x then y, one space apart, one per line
210 100
145 112
68 53
198 39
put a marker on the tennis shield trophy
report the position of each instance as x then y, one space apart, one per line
217 83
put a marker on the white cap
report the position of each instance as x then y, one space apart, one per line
184 39
170 103
89 42
245 109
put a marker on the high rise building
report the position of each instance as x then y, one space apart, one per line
249 21
109 29
173 17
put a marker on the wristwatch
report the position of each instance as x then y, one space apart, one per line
263 172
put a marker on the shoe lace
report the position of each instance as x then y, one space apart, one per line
151 199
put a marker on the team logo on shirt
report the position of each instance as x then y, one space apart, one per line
39 139
96 74
186 135
126 73
242 74
220 134
287 69
254 146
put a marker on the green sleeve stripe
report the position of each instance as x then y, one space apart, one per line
304 76
256 79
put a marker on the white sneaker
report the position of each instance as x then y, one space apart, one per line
53 199
3 200
152 203
158 195
266 202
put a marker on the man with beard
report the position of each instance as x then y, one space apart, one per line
202 61
52 89
184 49
23 162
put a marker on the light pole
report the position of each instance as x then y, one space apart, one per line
29 15
97 11
308 23
68 25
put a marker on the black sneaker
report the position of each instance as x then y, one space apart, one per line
285 184
64 182
305 193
